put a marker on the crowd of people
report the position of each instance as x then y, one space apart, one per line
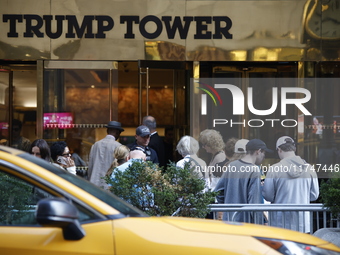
233 172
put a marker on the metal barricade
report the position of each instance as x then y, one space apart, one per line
303 218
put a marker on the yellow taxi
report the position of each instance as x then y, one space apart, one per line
45 210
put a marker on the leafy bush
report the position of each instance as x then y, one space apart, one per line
178 190
330 195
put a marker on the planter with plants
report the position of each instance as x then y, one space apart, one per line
176 192
330 195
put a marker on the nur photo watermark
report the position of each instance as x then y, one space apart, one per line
267 109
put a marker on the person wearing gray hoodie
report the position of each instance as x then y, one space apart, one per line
290 181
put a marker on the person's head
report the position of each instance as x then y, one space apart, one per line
211 140
39 148
239 150
169 134
114 128
150 122
59 149
257 149
121 154
230 147
285 146
145 150
142 135
187 145
137 154
240 146
16 128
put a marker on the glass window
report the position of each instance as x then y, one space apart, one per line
81 97
321 139
106 197
18 200
262 78
18 100
76 108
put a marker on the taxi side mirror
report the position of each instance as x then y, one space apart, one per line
57 212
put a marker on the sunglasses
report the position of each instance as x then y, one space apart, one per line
67 154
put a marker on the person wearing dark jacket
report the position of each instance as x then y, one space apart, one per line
156 142
141 143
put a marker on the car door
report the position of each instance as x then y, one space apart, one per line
21 234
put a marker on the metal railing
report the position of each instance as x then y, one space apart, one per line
304 218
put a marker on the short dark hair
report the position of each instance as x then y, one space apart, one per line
288 146
57 149
113 131
16 122
251 152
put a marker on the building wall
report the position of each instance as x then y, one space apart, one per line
293 30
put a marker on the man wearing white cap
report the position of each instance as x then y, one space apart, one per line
291 181
241 180
240 146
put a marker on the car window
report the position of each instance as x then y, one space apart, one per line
99 193
18 201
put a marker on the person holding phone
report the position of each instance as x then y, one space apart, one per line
61 157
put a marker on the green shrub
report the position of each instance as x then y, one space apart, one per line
330 195
178 190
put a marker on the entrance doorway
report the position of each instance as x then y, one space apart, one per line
163 93
18 102
80 97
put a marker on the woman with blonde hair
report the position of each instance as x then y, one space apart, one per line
212 142
121 155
